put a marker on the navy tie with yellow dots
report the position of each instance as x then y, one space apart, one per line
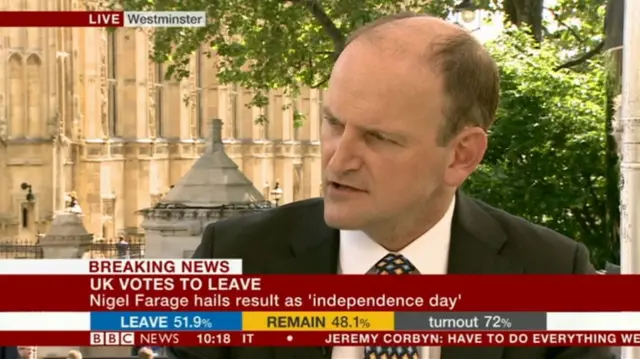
393 264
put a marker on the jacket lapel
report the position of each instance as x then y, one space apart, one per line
476 241
313 250
312 245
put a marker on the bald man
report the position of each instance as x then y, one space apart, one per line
406 115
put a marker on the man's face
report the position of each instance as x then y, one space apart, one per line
383 117
25 352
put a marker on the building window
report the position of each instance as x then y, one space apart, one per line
234 98
265 120
295 118
25 217
112 42
159 97
199 93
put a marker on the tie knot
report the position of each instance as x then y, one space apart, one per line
394 264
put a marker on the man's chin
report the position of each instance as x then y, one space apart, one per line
347 220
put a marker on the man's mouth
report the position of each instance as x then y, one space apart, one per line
344 187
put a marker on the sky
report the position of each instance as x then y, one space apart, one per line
487 27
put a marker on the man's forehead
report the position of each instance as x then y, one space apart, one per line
382 81
396 68
373 72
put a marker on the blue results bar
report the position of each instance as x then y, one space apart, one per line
169 321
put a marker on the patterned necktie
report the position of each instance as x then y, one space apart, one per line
392 264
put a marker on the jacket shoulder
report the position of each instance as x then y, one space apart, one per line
246 234
539 249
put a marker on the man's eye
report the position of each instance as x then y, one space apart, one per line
333 121
378 136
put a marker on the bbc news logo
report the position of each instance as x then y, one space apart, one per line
112 338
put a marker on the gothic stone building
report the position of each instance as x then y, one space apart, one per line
85 110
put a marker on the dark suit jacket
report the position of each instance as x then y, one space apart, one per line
294 239
9 353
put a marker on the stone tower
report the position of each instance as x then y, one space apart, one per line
85 110
67 237
213 189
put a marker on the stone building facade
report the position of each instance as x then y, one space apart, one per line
214 189
85 110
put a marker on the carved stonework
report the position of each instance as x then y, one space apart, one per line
3 120
95 151
77 117
104 84
85 80
168 213
55 126
144 150
192 103
155 198
174 150
116 149
151 118
297 181
108 205
151 88
160 150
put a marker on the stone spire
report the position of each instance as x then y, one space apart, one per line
67 237
214 179
215 143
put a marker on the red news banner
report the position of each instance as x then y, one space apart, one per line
133 299
143 289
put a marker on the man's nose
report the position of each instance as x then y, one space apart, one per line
346 156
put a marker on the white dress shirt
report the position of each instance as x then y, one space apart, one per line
428 253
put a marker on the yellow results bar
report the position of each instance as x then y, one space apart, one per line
320 321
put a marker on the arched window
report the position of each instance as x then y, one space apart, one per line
199 94
159 97
112 62
25 216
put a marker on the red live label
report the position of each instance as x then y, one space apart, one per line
106 19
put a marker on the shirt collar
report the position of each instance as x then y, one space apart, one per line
428 253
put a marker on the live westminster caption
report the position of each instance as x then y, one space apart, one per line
107 292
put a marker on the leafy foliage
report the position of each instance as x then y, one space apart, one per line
546 159
270 44
576 27
546 156
276 44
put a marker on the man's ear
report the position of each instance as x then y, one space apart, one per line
467 151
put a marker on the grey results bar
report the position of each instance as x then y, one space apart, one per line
471 321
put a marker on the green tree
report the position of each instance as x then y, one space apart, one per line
545 145
266 44
546 156
578 30
269 44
